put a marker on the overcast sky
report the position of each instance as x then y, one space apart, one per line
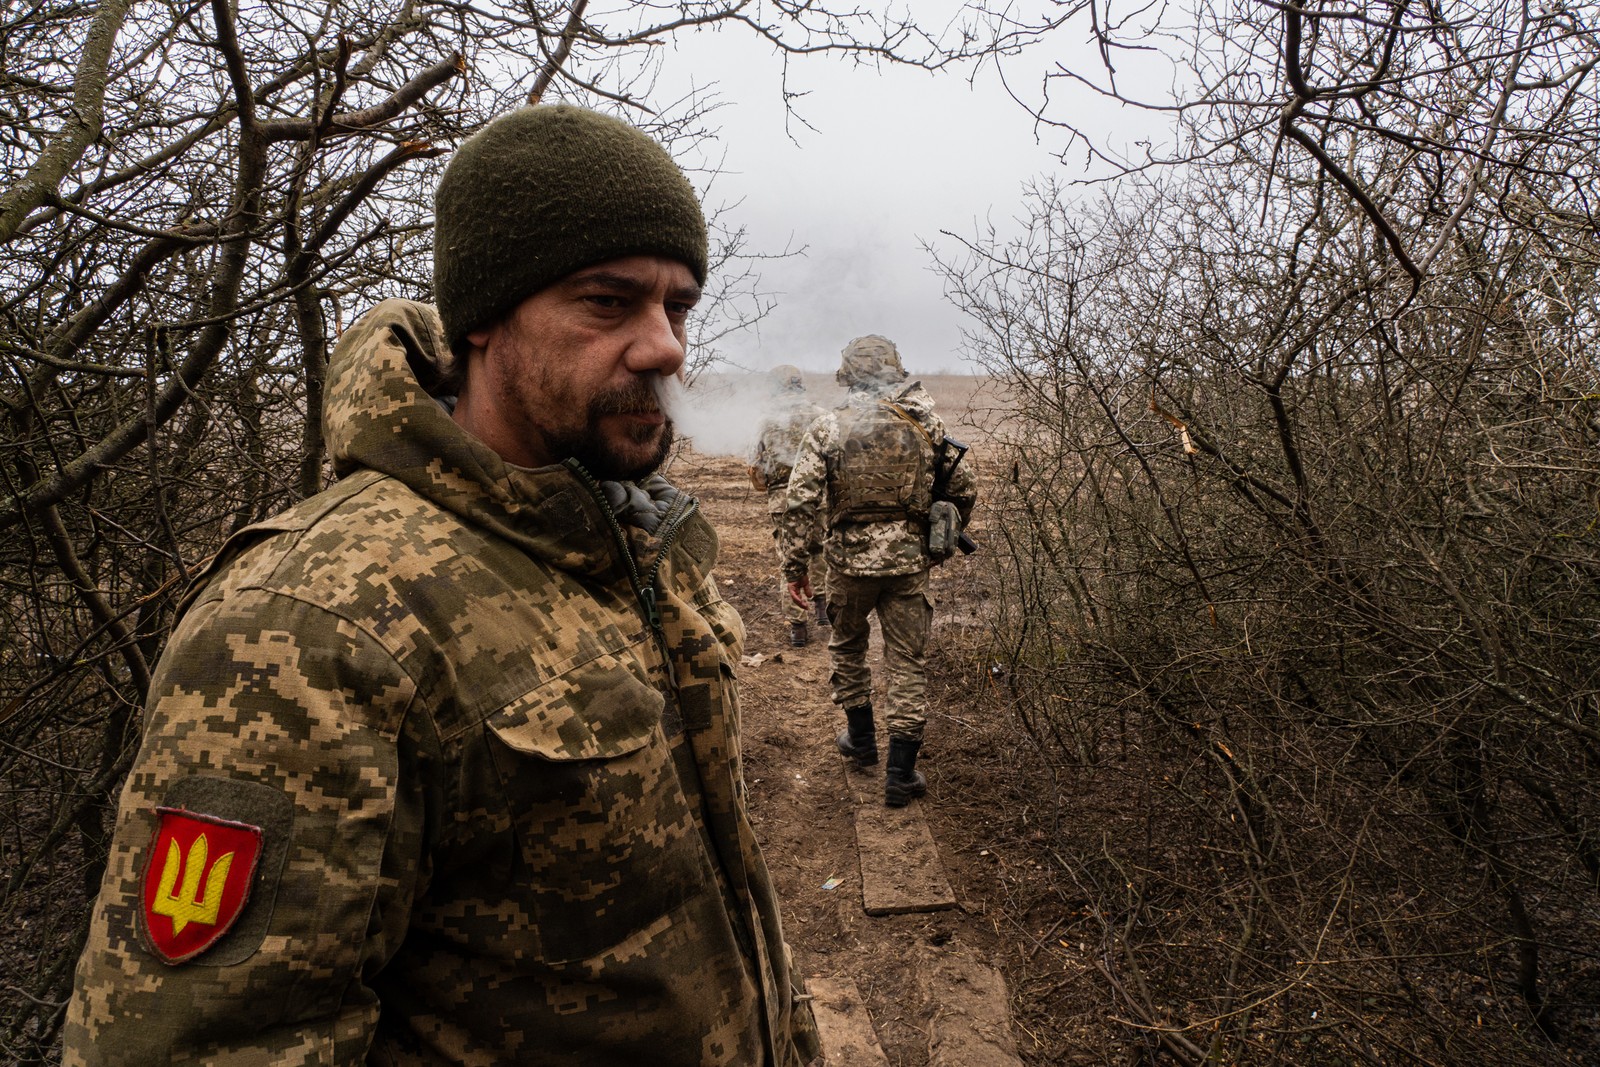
896 156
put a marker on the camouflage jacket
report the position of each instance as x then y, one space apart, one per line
780 440
486 740
880 547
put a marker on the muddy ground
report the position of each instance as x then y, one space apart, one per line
801 801
1038 855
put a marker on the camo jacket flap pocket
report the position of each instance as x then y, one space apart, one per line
600 710
609 845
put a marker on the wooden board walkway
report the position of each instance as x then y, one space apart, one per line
900 867
848 1039
901 873
970 1025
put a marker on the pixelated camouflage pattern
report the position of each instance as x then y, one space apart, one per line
509 814
787 378
870 362
770 465
816 563
780 438
905 615
879 547
884 469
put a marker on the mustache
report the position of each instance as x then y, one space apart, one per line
635 398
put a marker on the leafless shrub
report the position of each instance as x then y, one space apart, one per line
194 201
1302 529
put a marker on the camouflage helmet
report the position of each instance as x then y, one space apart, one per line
786 379
870 360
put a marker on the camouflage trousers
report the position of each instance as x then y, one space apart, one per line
905 615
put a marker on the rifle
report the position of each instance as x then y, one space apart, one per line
942 474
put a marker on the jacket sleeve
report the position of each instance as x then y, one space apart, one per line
800 527
277 715
759 464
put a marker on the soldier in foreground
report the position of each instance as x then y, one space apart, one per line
769 471
875 472
442 765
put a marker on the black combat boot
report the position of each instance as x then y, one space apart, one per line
859 740
903 781
820 604
797 634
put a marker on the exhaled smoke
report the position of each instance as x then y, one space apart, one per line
722 414
672 395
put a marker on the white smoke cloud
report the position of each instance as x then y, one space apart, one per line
721 414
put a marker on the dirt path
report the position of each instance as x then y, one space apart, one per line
803 808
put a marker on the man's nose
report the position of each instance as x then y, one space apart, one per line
656 345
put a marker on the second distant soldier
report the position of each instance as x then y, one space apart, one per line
867 475
774 456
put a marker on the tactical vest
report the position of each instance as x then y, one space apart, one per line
885 468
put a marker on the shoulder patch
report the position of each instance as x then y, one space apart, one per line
211 874
197 881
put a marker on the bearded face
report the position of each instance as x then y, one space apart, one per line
571 372
630 450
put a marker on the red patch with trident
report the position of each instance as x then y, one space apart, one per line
197 881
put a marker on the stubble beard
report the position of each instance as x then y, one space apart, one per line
597 452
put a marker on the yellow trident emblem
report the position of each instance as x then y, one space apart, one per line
186 905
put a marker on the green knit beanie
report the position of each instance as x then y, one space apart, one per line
544 191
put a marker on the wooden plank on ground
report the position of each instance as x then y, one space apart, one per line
971 1023
900 867
848 1039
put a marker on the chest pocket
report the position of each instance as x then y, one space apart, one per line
603 825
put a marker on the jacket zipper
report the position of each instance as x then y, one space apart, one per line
644 586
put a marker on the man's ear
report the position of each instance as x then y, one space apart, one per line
479 338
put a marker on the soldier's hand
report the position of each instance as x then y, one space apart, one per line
800 591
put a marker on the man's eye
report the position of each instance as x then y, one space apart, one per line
679 309
604 300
